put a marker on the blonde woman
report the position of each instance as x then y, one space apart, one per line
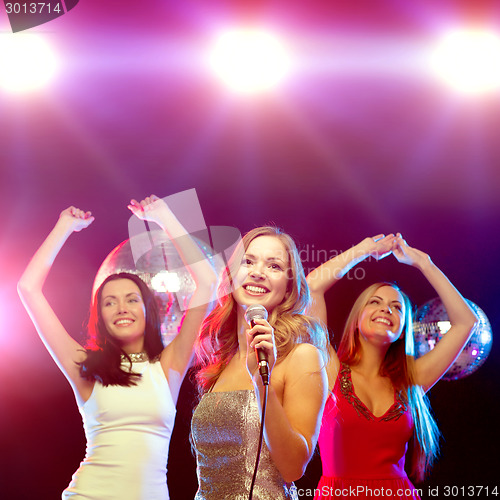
265 270
377 405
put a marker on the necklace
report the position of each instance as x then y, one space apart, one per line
136 357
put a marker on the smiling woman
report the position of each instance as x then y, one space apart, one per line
125 383
265 270
124 313
377 405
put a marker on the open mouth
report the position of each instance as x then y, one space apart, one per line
124 322
383 321
255 289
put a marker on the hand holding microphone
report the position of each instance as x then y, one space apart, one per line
256 311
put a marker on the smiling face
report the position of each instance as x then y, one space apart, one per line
124 314
262 277
383 317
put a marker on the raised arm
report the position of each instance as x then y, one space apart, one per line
176 357
431 367
325 276
65 351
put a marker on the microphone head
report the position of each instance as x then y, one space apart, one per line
255 311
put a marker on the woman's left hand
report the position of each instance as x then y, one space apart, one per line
148 209
261 336
408 255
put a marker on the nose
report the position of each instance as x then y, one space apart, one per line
122 307
256 272
387 307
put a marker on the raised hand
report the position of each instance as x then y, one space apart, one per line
78 219
379 246
149 209
261 336
408 255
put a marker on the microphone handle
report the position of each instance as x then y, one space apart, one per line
263 362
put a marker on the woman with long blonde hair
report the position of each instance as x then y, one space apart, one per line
377 406
265 270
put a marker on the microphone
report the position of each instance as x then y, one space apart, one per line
256 311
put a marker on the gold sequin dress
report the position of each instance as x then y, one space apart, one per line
225 429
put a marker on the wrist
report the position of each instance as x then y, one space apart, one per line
425 264
361 251
65 225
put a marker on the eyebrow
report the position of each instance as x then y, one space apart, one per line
391 302
270 259
128 295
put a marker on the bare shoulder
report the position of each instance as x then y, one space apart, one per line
305 357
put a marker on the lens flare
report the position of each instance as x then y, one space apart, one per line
469 61
249 60
27 62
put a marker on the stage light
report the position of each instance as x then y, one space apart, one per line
166 282
27 62
249 60
469 61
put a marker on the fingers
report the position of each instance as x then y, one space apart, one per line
79 214
261 335
144 205
76 218
400 241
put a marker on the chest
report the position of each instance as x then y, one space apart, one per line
376 394
147 403
235 377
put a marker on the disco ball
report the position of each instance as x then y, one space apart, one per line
162 269
432 323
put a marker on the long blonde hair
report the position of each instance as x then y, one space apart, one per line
398 365
218 342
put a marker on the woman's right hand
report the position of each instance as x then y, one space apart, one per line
76 218
379 246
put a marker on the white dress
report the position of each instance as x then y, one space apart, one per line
128 433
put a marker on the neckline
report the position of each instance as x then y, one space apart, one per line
347 371
135 357
228 392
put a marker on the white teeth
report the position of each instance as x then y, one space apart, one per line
383 320
124 322
255 289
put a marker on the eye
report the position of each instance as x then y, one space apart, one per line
246 262
276 267
398 307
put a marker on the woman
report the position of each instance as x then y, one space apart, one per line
265 270
378 402
125 383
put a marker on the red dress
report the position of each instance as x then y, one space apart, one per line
363 456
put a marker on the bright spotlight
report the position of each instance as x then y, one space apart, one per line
469 61
249 60
165 281
26 62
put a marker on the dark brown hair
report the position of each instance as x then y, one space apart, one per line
104 354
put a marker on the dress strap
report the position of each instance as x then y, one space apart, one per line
347 390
